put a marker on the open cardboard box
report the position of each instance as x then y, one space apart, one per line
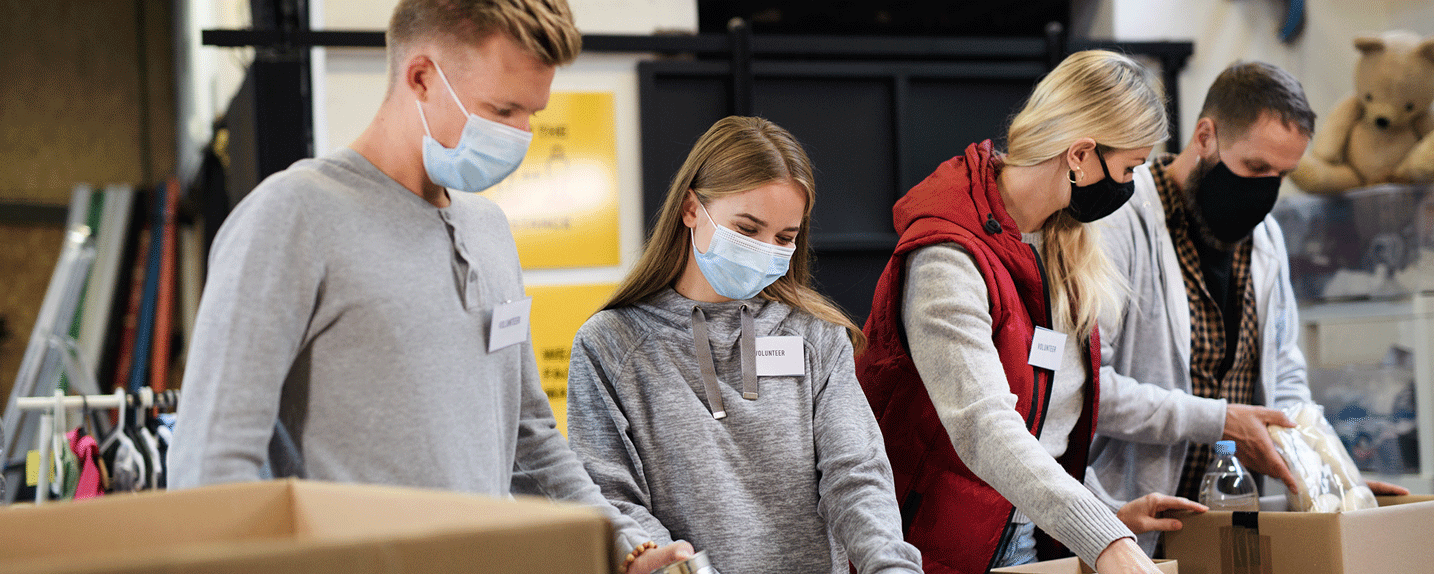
303 526
1398 537
1073 566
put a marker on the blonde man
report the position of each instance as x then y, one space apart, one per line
351 297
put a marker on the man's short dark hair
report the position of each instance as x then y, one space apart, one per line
1245 91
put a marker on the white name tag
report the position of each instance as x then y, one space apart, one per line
1047 349
510 324
781 356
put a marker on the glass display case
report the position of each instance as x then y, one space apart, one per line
1362 265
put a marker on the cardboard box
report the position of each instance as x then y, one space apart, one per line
1396 538
1074 566
302 526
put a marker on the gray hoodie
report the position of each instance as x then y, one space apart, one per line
1147 414
794 481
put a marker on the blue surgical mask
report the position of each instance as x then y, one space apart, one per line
486 153
737 266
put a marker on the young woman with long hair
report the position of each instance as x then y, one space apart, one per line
714 399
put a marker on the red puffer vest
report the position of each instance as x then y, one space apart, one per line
955 518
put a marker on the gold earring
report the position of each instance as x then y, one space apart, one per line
1073 177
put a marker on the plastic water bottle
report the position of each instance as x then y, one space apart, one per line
1227 485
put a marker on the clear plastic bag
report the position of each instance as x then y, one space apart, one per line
1328 478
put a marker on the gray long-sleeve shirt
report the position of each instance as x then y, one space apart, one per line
946 312
358 314
794 481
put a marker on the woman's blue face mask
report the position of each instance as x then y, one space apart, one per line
738 266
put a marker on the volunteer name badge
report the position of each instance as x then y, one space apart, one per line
510 324
781 356
1047 348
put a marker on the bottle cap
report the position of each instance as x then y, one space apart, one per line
1225 447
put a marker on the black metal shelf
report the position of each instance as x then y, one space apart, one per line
787 45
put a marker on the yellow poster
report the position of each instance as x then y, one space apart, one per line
562 202
558 311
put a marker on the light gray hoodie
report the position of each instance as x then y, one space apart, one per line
1147 415
794 481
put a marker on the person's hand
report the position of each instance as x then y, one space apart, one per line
661 556
1124 557
1386 488
1143 514
1245 424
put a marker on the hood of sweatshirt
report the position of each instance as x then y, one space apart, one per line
667 309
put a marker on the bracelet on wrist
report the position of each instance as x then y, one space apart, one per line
638 551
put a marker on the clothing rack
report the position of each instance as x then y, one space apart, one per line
51 351
54 412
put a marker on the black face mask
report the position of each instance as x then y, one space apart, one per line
1099 199
1228 207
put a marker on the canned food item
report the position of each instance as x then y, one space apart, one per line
697 564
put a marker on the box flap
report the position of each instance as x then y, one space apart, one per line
305 527
1407 499
1074 566
332 511
231 512
1392 538
1218 541
1302 541
1396 537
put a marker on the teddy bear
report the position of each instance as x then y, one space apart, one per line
1382 133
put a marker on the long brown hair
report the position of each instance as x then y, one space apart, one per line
736 155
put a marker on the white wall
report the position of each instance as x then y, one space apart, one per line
207 77
1224 31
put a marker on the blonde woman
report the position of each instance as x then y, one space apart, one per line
983 346
714 398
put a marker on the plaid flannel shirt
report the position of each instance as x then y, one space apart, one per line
1207 324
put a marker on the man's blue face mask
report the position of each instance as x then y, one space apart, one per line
486 153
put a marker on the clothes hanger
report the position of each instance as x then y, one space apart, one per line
59 444
86 425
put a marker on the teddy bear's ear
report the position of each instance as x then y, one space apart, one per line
1369 44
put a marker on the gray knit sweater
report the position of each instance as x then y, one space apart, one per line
357 313
794 481
946 312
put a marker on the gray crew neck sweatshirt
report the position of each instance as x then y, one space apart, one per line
794 481
357 313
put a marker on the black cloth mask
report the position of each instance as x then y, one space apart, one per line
1099 199
1230 206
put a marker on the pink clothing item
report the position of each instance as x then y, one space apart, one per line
87 450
